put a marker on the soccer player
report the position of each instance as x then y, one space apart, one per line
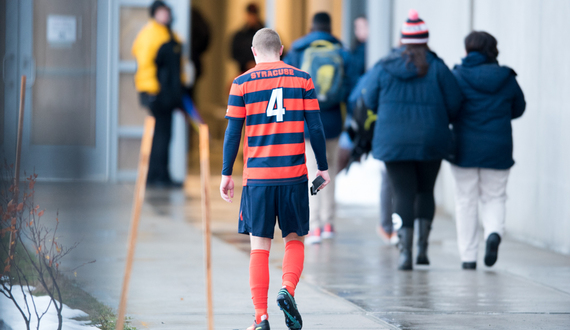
274 100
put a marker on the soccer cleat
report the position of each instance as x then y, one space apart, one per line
328 231
314 236
264 325
287 304
492 250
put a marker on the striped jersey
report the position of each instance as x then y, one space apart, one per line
272 98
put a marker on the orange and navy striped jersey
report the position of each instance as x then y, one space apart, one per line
272 98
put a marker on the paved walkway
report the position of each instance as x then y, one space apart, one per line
348 283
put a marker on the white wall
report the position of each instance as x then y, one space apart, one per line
533 40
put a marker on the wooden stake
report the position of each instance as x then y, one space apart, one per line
205 182
138 200
18 156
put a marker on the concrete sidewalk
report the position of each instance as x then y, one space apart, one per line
528 288
350 282
167 288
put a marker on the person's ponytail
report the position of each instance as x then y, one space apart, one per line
416 54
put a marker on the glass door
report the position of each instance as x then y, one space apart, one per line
128 115
65 127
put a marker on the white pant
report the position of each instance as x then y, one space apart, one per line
474 186
322 206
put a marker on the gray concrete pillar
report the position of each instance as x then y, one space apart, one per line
346 35
379 13
270 13
179 143
351 9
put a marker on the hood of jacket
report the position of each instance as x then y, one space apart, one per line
395 64
482 74
304 42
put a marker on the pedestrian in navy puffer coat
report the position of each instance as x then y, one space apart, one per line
413 112
484 146
415 96
482 130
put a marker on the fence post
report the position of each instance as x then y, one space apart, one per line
140 188
205 183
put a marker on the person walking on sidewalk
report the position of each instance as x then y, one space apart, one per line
274 100
415 96
158 79
484 146
360 127
241 41
358 62
322 55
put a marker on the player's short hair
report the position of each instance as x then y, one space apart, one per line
267 41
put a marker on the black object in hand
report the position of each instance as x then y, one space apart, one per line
317 183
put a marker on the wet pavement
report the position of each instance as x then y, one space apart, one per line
350 282
528 288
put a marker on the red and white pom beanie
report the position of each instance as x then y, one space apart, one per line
414 30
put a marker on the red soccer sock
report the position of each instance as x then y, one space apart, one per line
293 264
259 281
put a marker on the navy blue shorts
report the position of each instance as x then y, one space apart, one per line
261 205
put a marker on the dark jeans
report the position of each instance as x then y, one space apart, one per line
413 183
158 164
386 196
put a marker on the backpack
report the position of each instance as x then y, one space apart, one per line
323 61
361 131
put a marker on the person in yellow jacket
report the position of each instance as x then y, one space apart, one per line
158 52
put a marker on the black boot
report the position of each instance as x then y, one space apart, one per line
424 227
492 250
406 236
469 265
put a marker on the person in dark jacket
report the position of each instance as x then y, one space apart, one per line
323 205
241 42
358 53
360 130
200 40
415 96
484 145
385 228
358 62
158 52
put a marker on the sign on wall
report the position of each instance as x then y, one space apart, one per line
61 30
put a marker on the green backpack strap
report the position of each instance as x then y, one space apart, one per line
323 44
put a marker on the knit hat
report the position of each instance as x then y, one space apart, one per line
414 30
155 5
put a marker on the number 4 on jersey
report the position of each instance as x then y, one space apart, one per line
275 105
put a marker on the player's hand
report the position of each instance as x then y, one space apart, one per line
227 188
325 175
